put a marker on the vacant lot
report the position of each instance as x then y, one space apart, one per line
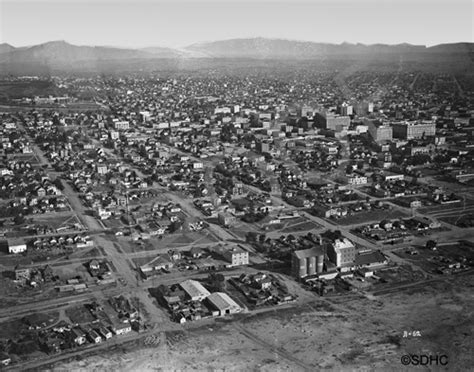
460 220
79 315
169 241
430 261
13 328
359 334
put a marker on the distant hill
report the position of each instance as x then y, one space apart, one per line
60 52
279 48
452 48
6 48
62 56
162 52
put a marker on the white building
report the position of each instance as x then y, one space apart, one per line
236 256
355 179
122 328
223 304
194 290
121 125
16 246
342 252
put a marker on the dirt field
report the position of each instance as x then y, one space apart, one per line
340 334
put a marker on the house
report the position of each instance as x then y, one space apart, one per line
225 219
121 328
78 336
161 262
104 332
422 222
5 360
94 265
16 246
196 252
94 337
51 343
41 192
173 298
174 255
22 274
262 281
386 224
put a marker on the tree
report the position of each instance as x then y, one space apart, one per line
57 182
19 219
431 244
216 282
251 237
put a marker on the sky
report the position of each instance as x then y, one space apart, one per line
179 23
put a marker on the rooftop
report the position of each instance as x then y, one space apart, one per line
194 289
368 258
311 252
222 301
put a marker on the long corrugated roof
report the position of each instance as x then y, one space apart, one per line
368 258
311 252
222 301
194 289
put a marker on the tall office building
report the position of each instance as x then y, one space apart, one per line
379 131
412 130
329 120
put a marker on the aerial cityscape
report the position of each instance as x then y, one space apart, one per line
249 203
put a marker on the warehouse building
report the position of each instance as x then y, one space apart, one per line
194 290
222 304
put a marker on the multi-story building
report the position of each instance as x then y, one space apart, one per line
345 109
307 111
114 135
329 120
102 169
342 253
363 108
412 130
225 219
16 246
379 131
236 256
121 125
355 179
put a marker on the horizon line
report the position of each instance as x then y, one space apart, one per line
230 39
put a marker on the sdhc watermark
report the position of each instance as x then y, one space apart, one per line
424 360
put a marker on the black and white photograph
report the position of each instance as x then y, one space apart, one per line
236 185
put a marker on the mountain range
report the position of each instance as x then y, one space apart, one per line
60 55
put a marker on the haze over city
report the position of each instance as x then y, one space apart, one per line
136 24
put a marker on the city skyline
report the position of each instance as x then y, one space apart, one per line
162 23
